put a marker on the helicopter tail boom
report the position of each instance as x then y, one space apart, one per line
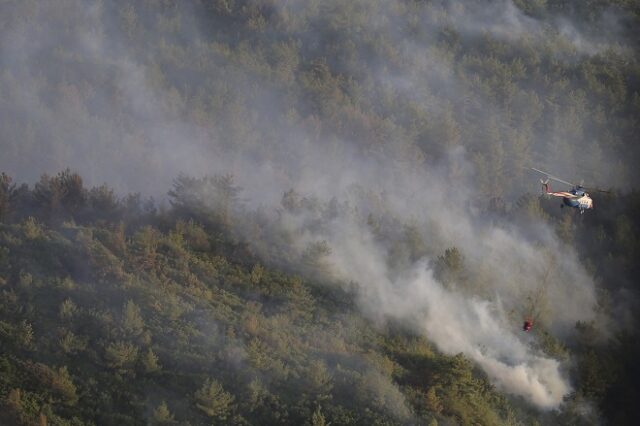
546 190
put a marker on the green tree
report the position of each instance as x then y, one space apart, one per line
121 355
132 322
24 334
62 384
319 379
213 400
70 343
150 363
566 229
450 266
432 401
12 408
60 197
67 309
8 195
317 418
162 416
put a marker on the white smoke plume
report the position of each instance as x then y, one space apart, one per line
477 323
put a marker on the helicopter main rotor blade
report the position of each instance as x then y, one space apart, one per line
604 191
550 176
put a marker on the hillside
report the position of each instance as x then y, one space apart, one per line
318 212
148 316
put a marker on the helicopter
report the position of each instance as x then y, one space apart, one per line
577 197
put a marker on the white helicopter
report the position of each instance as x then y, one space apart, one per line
576 197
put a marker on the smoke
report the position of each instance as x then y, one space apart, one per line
475 322
79 76
99 113
505 21
83 97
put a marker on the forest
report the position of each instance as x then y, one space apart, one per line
116 312
262 212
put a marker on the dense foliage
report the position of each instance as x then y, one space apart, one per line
115 312
150 317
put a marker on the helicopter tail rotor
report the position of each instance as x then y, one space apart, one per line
546 188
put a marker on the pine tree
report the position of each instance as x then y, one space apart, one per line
317 418
7 195
150 362
213 400
132 322
162 415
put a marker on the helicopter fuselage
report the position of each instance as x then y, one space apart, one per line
578 199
